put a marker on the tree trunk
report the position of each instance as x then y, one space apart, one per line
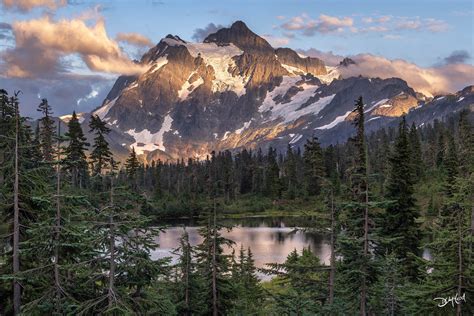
460 266
333 253
186 292
214 268
472 232
57 228
16 223
111 294
363 292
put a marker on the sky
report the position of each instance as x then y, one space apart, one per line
71 51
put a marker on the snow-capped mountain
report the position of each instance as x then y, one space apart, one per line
235 90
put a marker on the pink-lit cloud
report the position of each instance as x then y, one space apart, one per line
27 5
450 76
41 43
429 81
324 24
134 39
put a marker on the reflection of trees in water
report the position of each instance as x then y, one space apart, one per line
274 222
271 239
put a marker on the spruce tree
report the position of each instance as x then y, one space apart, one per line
75 158
314 166
399 227
415 150
300 284
100 155
24 185
47 131
450 166
248 297
290 173
272 181
132 165
353 243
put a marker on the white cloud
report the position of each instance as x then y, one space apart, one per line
324 24
41 43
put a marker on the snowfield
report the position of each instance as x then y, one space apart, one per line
151 141
292 110
336 121
220 59
102 111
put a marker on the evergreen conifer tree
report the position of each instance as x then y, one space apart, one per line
399 227
100 155
47 131
75 158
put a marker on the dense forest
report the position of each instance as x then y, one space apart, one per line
77 226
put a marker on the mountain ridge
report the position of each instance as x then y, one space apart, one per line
235 90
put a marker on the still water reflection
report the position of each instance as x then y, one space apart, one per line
270 239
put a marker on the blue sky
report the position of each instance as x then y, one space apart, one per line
421 32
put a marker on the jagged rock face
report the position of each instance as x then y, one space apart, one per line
234 90
289 57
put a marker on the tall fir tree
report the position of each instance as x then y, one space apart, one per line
47 131
132 165
314 166
399 228
75 161
357 268
415 151
101 154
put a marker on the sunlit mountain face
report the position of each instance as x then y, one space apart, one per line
231 87
234 90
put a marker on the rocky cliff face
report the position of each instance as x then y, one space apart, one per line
235 90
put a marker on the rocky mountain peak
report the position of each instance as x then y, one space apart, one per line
346 62
241 36
235 90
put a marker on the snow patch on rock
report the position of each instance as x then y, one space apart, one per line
332 73
292 110
158 64
376 105
336 121
147 141
188 87
220 59
104 110
240 130
293 70
296 139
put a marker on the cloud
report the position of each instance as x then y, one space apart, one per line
429 81
379 19
41 43
324 24
5 26
451 76
28 5
329 58
276 41
5 31
392 36
418 24
134 39
457 57
201 33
